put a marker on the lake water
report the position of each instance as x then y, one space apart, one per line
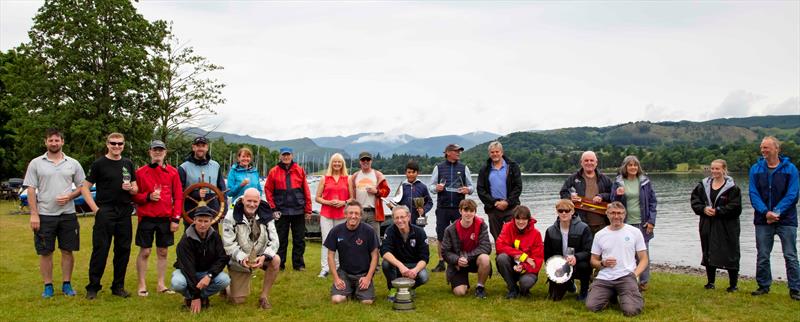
676 235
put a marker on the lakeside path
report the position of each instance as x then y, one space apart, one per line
301 296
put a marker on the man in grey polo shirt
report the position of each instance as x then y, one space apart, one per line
52 180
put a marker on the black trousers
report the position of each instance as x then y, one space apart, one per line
297 223
110 223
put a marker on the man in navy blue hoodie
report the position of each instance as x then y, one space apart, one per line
773 194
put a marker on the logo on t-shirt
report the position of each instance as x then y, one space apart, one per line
472 236
359 241
627 238
413 243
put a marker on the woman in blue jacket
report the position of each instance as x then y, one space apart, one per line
633 188
243 175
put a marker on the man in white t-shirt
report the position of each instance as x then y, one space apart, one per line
614 252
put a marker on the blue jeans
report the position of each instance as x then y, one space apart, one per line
765 238
219 282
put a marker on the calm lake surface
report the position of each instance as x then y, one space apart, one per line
676 235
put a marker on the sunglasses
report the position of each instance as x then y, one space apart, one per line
366 160
563 211
116 143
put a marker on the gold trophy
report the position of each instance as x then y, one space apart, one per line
419 202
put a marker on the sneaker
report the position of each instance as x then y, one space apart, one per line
121 292
323 274
581 297
732 289
480 292
760 291
300 269
439 268
512 294
49 292
710 286
794 294
392 295
91 295
66 288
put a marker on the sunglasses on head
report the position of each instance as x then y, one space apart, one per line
563 211
116 143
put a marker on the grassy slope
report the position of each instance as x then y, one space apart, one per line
303 296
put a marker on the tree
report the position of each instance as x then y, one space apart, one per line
97 76
184 92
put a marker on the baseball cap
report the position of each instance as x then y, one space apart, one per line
200 140
453 147
157 144
204 211
365 155
286 150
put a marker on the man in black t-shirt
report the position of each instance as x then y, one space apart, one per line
357 245
404 250
116 183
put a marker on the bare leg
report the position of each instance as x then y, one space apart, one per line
460 290
67 263
141 267
270 275
336 299
484 267
161 267
46 267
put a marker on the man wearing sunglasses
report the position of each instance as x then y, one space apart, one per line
116 184
368 186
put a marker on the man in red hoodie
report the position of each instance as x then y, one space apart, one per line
466 247
158 205
520 253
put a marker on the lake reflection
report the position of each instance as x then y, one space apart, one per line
676 237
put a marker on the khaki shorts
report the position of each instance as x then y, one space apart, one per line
240 283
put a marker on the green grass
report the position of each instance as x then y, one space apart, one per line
303 296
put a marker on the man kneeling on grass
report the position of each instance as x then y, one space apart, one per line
357 245
466 248
405 251
201 259
614 252
251 241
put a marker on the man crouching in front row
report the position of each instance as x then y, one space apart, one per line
614 252
252 243
201 259
357 245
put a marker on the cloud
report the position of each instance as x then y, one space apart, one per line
738 103
790 106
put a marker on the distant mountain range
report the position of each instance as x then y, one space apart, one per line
717 131
388 145
350 146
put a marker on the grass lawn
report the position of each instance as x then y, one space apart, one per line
303 296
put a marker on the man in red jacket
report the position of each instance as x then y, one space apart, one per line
159 203
520 253
287 192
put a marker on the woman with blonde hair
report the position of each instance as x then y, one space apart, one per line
718 202
333 194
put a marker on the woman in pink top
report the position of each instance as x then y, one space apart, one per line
332 194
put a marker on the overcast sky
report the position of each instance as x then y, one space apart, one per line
295 69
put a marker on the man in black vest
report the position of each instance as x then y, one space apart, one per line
451 181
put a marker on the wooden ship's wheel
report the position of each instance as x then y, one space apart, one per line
219 195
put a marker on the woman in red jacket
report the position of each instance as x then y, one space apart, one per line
520 253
